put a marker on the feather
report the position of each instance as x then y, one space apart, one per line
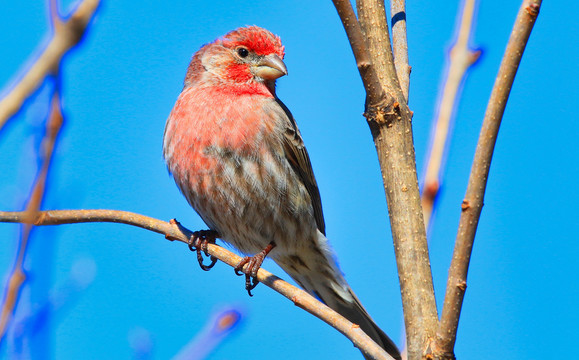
299 159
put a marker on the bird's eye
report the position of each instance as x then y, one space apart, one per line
242 52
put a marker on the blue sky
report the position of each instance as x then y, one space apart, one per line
118 89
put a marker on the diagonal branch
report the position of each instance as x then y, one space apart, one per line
17 277
473 201
174 231
374 92
461 58
67 34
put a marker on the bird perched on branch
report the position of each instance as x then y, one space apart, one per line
236 153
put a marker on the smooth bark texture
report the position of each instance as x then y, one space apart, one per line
174 231
400 44
473 201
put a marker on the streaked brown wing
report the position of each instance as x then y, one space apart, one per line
298 157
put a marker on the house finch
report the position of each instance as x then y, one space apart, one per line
237 155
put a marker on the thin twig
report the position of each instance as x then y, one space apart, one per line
372 18
391 128
67 34
174 231
218 328
374 92
400 44
473 201
17 277
461 57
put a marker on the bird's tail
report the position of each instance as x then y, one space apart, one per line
316 271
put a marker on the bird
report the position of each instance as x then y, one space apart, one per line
237 155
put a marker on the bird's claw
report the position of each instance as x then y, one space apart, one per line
253 264
198 242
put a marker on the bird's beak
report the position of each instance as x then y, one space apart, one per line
270 67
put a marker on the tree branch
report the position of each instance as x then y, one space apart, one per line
400 44
461 57
174 231
372 18
390 124
67 34
17 277
374 93
473 201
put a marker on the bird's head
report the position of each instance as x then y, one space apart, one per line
248 55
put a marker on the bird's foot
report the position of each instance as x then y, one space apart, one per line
253 264
198 242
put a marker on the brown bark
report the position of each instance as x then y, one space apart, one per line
389 119
174 231
473 201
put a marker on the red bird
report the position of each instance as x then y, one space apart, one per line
236 153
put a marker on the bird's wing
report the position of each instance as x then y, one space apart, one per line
297 155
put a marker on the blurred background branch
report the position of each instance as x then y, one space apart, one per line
18 276
219 326
67 33
35 322
460 58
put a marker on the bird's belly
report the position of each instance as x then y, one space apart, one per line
253 200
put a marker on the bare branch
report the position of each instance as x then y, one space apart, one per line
66 35
400 44
372 17
473 202
461 58
17 277
392 133
374 92
174 231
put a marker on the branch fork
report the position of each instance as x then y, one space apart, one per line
385 75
